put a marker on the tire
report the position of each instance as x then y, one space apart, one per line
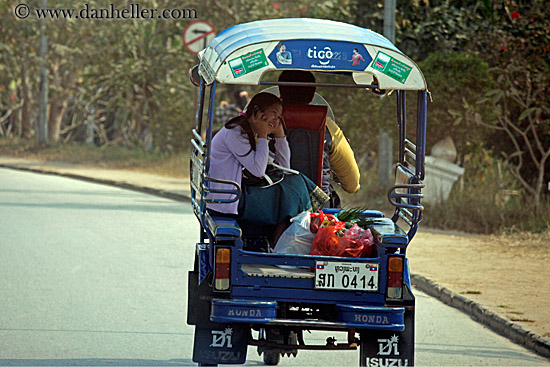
272 358
362 349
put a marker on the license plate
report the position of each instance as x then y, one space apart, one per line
346 276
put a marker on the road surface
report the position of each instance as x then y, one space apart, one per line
95 275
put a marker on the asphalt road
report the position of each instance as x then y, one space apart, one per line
96 275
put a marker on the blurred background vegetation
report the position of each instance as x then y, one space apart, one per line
119 92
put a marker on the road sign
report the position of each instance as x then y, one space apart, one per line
197 35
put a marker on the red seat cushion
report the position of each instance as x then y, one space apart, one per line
306 135
307 117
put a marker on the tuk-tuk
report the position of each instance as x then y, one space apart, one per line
239 296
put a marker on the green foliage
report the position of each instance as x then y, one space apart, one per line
517 45
453 78
424 27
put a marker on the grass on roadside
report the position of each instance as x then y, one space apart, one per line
475 211
136 158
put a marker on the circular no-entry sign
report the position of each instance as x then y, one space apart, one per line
197 35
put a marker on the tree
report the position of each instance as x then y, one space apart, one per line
18 61
453 77
518 46
529 132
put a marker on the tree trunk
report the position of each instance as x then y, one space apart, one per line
540 179
26 109
57 110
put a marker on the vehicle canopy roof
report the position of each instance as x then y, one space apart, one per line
243 53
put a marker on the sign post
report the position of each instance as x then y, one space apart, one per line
197 35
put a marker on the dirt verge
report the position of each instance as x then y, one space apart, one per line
507 276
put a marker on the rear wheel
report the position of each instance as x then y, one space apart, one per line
363 349
272 358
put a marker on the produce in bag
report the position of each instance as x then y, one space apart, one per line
362 240
297 238
334 241
321 220
327 242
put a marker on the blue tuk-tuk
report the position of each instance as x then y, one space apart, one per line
239 296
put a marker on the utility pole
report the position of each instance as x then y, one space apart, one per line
43 100
385 144
389 20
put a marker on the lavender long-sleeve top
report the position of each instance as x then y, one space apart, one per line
229 155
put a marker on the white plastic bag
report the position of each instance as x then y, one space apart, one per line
297 238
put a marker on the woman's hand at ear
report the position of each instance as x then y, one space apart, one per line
278 129
260 125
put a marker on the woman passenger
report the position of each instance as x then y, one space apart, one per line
244 142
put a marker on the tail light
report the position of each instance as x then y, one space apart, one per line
395 277
222 271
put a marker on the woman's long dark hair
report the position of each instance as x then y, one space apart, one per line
259 103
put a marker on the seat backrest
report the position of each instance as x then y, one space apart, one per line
306 136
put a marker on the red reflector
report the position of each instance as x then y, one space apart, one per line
395 279
222 270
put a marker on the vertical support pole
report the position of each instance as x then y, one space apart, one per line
200 107
210 119
43 99
402 122
385 161
421 133
198 128
385 144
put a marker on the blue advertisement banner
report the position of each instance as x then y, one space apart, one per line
320 55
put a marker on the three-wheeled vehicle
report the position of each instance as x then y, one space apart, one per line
240 296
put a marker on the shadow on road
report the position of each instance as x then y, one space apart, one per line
96 362
474 351
168 208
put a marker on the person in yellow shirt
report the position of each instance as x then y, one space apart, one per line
338 156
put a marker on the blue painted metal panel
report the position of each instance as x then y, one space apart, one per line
365 213
310 295
204 262
242 311
361 317
223 226
407 274
324 55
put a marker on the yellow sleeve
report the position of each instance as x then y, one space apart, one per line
342 160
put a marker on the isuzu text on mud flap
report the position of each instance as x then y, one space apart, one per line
388 351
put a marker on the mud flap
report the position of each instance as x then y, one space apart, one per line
223 344
192 297
389 348
198 300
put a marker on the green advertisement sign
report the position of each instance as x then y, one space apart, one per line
391 67
248 63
